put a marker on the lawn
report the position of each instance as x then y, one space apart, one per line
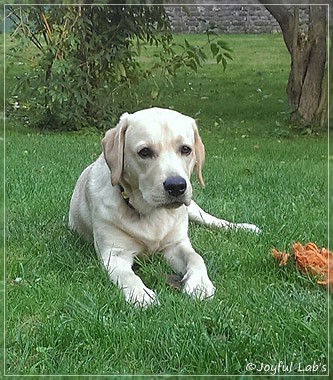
63 316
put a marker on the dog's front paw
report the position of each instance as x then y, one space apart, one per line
198 285
140 297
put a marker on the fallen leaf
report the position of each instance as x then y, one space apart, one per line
175 281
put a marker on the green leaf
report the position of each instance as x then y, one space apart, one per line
192 64
214 49
228 56
194 56
224 45
224 63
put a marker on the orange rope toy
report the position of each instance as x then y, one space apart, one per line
310 259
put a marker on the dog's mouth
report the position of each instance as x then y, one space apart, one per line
170 203
174 205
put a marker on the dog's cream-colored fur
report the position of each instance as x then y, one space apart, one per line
149 156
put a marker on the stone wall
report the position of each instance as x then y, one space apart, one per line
226 18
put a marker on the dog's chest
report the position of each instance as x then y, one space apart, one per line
156 232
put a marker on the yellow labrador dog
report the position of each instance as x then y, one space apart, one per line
136 198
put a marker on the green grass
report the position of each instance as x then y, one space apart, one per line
248 98
63 316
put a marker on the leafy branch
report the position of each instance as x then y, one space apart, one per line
86 63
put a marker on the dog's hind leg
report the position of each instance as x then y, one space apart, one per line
198 215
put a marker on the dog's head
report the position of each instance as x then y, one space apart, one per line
152 154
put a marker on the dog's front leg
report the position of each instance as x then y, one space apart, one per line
183 259
118 262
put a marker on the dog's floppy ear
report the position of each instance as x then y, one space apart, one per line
113 148
199 154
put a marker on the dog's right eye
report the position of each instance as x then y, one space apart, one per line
146 153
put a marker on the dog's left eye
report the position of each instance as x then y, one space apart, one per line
146 153
185 150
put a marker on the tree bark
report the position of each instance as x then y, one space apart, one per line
307 87
314 72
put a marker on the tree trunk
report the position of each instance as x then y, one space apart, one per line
307 85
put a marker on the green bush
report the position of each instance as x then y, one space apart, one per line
83 68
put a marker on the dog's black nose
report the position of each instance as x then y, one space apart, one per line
175 185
